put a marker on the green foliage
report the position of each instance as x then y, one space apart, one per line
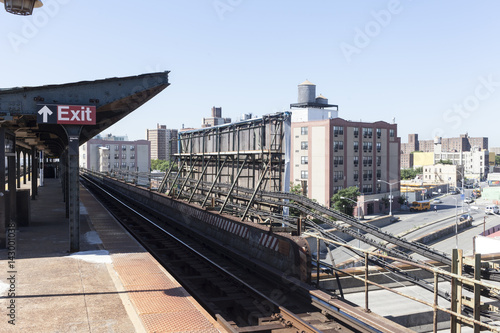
295 189
401 200
411 173
344 205
385 201
162 165
445 162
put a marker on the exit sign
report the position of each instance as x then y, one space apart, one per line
67 114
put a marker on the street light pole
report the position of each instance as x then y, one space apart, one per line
463 191
456 222
358 217
390 193
359 214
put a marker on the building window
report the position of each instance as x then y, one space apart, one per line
338 130
338 145
379 160
356 146
132 165
338 176
356 132
379 146
367 161
304 130
304 145
379 133
117 164
367 146
304 159
379 187
124 164
124 156
338 160
132 157
367 188
132 148
124 148
336 189
117 147
379 174
356 175
83 155
304 174
367 132
356 160
391 133
117 156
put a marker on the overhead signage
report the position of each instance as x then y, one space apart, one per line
67 114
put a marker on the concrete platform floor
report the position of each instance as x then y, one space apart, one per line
112 285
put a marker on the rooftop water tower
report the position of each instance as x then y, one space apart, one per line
307 98
307 92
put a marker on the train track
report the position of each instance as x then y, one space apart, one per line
239 294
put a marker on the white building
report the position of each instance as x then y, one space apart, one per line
443 173
107 155
474 162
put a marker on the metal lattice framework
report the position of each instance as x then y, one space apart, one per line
250 154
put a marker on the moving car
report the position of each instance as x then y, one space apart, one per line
466 217
491 209
437 201
468 200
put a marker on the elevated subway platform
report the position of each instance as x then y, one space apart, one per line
111 285
52 121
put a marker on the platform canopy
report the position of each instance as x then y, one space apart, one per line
112 99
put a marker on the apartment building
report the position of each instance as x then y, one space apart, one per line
330 153
216 118
464 143
163 142
106 155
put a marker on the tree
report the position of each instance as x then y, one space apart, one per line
344 205
410 173
444 162
295 189
162 165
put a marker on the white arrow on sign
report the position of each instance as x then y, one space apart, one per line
45 112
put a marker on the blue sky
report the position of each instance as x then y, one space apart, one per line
433 66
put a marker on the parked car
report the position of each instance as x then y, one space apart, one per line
468 200
437 201
491 209
466 217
